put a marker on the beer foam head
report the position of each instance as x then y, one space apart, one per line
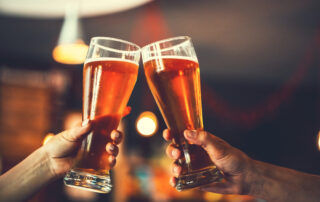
179 47
171 57
109 48
109 59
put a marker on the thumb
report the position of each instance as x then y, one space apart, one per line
65 143
215 147
77 133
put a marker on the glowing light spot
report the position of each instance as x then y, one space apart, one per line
147 124
318 140
70 53
47 138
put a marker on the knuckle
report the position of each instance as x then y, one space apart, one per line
203 135
65 136
204 139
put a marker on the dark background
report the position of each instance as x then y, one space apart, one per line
259 63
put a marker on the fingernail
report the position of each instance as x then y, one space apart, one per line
111 147
191 133
174 153
116 135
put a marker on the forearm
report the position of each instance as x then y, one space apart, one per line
275 183
27 177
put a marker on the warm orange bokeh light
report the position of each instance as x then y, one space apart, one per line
47 138
70 53
147 123
318 140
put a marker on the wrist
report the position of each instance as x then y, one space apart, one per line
253 181
58 166
48 165
28 176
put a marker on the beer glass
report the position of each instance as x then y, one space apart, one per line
172 72
109 75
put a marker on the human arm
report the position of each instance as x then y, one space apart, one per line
275 183
48 163
243 175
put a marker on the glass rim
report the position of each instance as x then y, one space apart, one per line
186 38
138 48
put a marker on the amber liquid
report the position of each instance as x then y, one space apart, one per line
175 85
107 86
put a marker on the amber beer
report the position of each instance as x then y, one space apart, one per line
109 75
178 93
107 86
174 81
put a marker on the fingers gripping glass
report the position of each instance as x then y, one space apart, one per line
172 71
109 75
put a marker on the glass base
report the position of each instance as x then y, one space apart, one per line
88 181
199 178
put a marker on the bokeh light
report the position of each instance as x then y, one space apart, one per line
318 140
47 138
70 53
147 124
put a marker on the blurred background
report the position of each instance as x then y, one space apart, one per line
260 77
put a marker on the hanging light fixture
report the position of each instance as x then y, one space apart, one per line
70 49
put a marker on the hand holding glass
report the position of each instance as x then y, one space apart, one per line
109 75
172 71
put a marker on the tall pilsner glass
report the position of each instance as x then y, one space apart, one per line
109 75
172 71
